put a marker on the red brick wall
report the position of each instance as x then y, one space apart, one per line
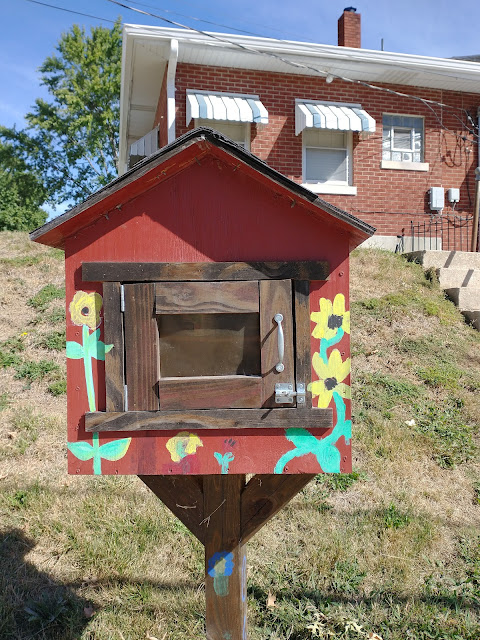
349 30
388 199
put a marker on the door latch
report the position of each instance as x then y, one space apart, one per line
284 393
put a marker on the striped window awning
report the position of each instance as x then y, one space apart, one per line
223 106
332 116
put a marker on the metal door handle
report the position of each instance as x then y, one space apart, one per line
280 341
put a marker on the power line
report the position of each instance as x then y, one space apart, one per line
287 61
205 21
78 13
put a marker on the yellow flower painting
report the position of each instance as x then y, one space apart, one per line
182 445
331 376
331 318
85 309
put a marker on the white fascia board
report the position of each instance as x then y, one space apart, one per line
311 52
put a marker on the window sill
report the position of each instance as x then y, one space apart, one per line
404 166
339 189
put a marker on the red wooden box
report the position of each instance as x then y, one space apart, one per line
177 360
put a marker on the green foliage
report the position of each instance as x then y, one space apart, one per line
8 359
30 370
46 294
54 340
21 261
441 375
56 315
444 425
340 482
382 392
72 136
22 191
4 401
346 577
394 518
58 387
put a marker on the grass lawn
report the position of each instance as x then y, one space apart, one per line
390 552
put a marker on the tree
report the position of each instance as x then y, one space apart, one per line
71 139
21 191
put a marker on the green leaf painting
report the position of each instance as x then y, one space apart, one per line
85 312
332 322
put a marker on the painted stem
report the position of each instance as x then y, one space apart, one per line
97 459
87 362
326 344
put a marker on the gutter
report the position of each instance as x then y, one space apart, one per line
171 73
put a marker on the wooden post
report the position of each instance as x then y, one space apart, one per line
225 558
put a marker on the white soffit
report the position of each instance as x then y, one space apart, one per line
342 117
222 106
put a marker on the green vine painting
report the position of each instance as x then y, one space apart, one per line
332 322
85 312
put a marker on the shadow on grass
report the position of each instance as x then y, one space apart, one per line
33 606
323 596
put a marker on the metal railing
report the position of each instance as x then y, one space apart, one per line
446 232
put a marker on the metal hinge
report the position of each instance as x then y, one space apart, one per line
284 393
122 298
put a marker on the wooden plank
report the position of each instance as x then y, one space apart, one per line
275 297
141 347
303 367
225 558
194 419
265 495
206 297
183 496
211 392
114 359
203 271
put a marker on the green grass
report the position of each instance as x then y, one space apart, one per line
30 371
58 387
54 340
451 437
21 261
42 298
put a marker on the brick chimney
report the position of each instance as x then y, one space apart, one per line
349 30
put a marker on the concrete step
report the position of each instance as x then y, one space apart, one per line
466 298
439 259
473 318
450 277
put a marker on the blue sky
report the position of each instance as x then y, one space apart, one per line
441 28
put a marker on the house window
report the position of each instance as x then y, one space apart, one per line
239 132
327 161
403 143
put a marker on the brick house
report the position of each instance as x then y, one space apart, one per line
391 138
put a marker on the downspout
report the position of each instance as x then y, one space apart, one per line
171 73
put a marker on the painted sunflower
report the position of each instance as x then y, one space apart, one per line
331 376
85 309
182 445
331 317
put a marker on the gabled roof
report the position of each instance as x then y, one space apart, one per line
172 159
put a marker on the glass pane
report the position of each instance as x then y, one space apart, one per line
402 139
324 165
211 344
325 138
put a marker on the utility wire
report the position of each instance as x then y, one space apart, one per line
300 65
78 13
216 24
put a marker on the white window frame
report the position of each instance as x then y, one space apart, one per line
212 124
404 165
332 186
